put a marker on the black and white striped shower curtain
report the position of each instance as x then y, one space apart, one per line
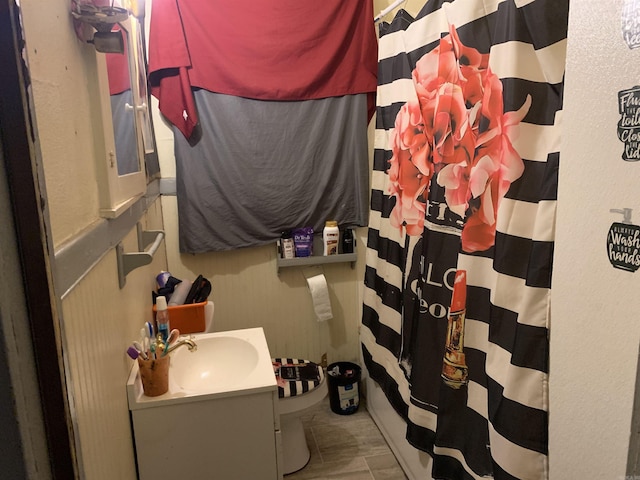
464 187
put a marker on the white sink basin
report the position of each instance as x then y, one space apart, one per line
219 360
236 362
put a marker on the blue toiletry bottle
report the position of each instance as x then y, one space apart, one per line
162 318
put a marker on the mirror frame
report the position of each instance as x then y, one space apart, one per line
119 192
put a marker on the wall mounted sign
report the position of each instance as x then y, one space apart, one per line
631 23
623 243
629 124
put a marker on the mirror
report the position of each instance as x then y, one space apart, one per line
122 110
115 36
130 160
129 95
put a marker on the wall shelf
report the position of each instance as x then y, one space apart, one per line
315 259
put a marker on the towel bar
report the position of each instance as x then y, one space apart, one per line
130 261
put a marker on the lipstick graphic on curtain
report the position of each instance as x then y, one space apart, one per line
454 369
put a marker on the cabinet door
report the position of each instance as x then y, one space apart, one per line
230 438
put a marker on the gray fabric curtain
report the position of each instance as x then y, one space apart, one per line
124 132
254 168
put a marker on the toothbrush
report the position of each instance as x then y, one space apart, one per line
148 330
146 347
144 340
133 352
141 351
148 335
173 336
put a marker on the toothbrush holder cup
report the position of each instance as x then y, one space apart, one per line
154 374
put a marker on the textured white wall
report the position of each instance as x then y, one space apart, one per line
64 86
98 319
595 308
100 322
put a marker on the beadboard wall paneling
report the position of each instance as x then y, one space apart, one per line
99 322
248 292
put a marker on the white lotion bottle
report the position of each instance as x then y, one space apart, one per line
331 237
162 318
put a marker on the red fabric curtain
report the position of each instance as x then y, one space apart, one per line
285 50
118 68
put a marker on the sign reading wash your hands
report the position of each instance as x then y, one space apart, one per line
623 246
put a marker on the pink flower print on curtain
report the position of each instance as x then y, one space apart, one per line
458 131
410 171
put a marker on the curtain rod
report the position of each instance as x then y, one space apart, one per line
388 9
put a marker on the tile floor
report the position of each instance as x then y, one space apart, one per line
345 447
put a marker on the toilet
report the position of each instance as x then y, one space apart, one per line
301 385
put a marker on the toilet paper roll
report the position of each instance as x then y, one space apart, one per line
317 284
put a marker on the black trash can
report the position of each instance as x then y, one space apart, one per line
344 396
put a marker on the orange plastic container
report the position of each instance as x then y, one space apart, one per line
186 318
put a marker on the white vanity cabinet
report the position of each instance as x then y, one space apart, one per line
231 438
229 434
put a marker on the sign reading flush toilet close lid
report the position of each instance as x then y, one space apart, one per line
623 243
631 23
629 123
